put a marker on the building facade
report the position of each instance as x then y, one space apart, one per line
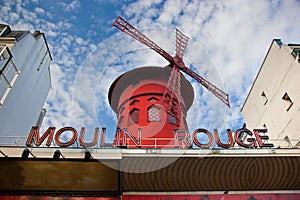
24 82
113 172
274 99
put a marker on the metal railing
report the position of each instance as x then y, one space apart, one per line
8 72
155 143
151 143
13 140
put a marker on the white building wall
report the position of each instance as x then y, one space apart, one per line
24 102
265 106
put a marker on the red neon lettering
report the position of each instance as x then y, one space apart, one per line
238 136
118 136
230 141
102 140
123 132
138 141
65 144
259 138
34 132
81 138
123 136
184 136
199 144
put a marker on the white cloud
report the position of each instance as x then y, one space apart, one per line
236 34
14 16
39 10
228 41
75 4
59 100
79 40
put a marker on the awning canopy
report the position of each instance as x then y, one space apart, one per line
113 171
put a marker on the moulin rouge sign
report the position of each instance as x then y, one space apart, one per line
243 137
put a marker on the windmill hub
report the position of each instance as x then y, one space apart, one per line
179 62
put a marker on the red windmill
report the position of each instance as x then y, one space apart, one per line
164 88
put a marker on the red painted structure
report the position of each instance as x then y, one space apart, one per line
136 97
156 101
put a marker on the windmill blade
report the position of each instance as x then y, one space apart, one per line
176 61
181 43
211 87
130 30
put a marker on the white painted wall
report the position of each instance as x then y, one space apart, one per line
23 104
279 74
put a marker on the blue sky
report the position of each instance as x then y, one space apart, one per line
228 42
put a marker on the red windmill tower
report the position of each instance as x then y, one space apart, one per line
152 102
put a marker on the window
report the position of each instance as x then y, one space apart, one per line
287 139
173 115
296 52
153 99
263 94
134 116
287 101
172 119
153 114
134 102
